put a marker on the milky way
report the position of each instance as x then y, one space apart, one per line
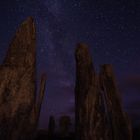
111 28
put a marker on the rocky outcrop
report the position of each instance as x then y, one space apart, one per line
18 109
99 114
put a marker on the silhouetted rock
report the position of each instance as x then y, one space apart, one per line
41 95
51 127
86 95
18 109
120 127
64 124
99 114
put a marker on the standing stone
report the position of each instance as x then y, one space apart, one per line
88 104
64 124
120 125
51 127
99 113
18 85
41 95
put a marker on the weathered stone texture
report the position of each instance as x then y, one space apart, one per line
99 114
18 86
120 124
86 96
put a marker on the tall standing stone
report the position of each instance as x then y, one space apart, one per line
18 85
99 114
120 125
87 98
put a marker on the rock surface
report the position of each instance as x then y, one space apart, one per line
120 126
18 85
86 94
99 114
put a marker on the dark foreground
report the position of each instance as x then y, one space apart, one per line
42 135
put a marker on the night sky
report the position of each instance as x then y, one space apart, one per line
111 28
